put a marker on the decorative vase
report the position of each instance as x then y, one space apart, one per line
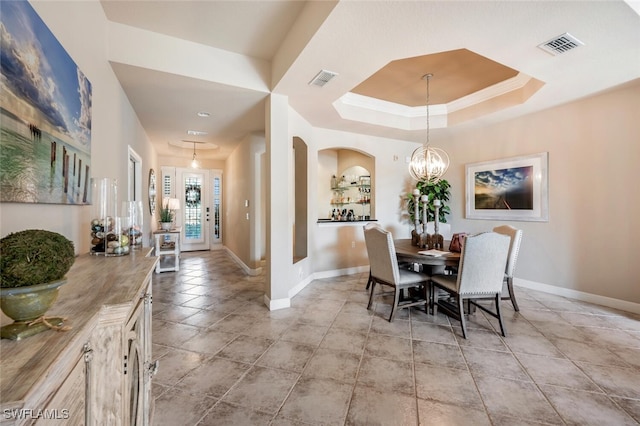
26 304
132 211
109 234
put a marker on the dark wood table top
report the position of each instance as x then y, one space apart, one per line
407 252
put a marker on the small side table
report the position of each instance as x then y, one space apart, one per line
167 244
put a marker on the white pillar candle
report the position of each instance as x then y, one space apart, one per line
436 203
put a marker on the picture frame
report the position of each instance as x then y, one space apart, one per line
515 188
45 143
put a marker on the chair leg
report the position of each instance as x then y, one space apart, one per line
512 295
462 321
395 304
373 288
369 281
499 312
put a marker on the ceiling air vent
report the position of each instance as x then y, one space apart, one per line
560 44
322 78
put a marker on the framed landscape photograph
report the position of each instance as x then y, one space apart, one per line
45 114
514 188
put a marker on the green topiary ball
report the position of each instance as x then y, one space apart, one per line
34 256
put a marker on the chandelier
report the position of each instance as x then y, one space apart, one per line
194 162
428 163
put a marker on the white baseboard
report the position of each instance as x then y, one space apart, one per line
276 304
245 268
286 303
622 305
340 272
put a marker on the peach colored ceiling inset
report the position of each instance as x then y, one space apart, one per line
456 73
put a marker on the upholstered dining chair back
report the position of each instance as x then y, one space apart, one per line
514 245
384 270
482 264
480 276
514 249
382 254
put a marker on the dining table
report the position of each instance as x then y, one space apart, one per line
406 252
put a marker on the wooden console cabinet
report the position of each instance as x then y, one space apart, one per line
100 371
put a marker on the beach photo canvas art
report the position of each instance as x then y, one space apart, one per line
508 189
45 114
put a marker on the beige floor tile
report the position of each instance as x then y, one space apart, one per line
307 334
317 316
328 360
398 328
353 321
612 339
372 407
333 364
631 406
344 340
176 407
175 365
213 377
434 413
535 344
245 349
208 342
172 334
587 352
481 339
223 414
630 355
615 381
204 318
446 385
391 347
318 401
262 389
438 354
268 328
556 371
584 409
483 362
513 398
285 355
432 333
387 375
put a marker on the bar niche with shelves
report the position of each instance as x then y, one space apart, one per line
351 199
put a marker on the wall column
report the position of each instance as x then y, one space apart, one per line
279 197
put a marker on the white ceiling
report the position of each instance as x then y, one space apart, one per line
355 39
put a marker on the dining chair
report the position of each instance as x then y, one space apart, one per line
385 271
480 276
514 248
365 227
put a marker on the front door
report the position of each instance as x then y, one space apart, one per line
192 190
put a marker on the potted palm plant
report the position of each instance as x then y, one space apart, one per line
33 264
166 218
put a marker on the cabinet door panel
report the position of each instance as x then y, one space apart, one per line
68 404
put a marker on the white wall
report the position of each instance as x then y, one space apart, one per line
114 124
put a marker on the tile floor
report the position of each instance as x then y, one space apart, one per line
226 360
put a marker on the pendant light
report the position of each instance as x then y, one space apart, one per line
194 162
428 163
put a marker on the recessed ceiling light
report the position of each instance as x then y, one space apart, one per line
203 114
196 132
